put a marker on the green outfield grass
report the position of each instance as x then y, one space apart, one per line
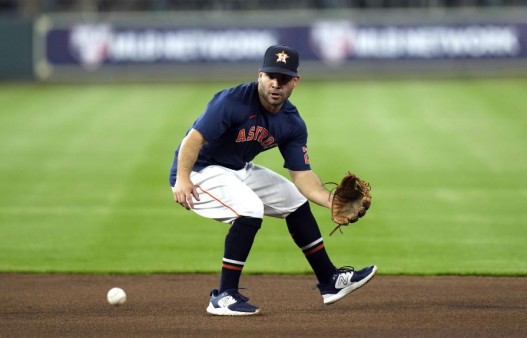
84 178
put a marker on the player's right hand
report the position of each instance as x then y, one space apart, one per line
183 192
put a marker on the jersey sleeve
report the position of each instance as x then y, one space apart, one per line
294 151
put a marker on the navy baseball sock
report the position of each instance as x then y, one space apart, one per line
305 232
238 243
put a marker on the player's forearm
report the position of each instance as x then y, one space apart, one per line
188 153
311 187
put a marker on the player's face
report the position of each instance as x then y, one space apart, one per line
274 89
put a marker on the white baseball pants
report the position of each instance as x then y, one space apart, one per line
253 191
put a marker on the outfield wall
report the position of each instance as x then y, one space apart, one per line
333 44
16 60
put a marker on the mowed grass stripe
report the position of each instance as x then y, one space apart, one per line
84 187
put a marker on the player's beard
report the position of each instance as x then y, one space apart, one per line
275 98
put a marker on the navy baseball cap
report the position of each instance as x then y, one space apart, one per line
280 59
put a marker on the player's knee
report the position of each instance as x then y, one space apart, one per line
253 213
301 212
252 208
251 222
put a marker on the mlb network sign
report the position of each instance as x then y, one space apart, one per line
100 45
339 42
93 45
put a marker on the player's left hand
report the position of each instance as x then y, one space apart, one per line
351 200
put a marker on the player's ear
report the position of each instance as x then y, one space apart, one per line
296 80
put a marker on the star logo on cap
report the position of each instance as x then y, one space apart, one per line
282 57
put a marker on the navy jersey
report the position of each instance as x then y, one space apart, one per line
237 128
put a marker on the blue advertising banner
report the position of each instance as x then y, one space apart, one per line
95 46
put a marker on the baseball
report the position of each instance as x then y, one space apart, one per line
116 296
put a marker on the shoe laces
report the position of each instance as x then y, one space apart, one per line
239 297
346 269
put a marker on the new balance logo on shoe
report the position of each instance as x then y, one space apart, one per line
226 301
344 280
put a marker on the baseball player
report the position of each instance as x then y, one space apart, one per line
213 175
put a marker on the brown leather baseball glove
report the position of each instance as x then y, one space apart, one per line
351 200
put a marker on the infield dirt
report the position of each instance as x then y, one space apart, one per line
38 305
